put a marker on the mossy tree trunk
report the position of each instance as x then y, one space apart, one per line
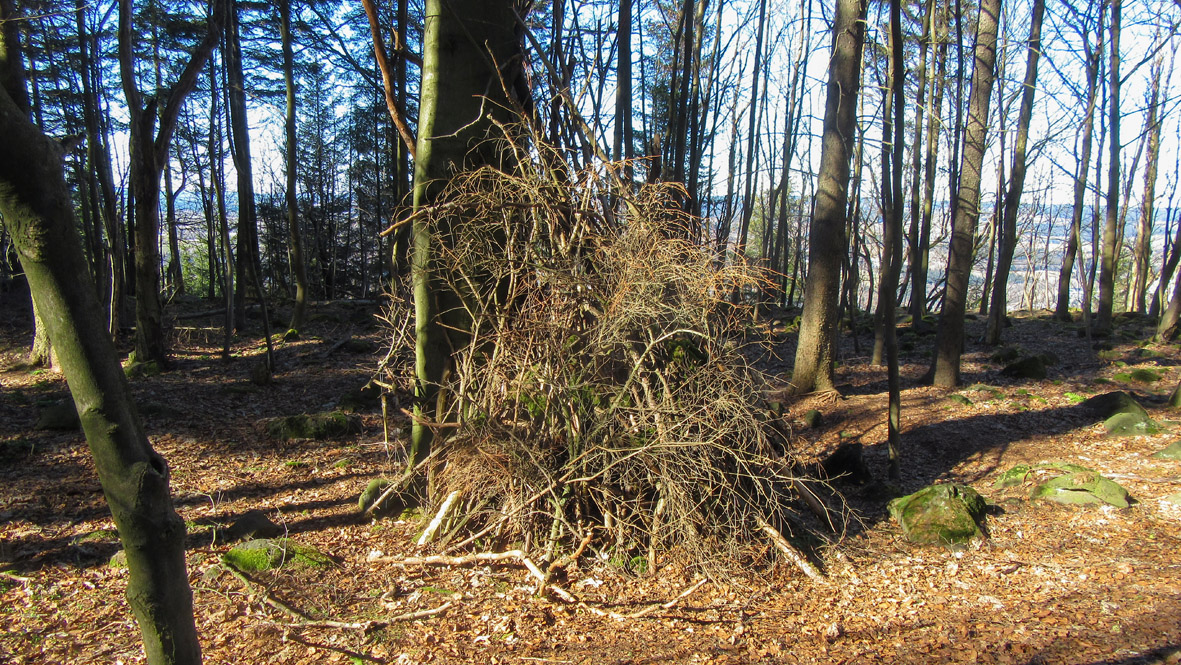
464 41
36 207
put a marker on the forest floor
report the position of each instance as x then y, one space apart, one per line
1051 584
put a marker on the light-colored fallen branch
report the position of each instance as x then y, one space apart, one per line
428 534
518 555
368 625
792 554
670 604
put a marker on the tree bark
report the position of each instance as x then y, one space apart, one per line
1008 235
1110 255
149 149
461 42
950 338
294 236
1143 252
36 207
816 348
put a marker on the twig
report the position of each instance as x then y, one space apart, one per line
427 423
428 534
793 555
443 560
670 604
267 596
369 625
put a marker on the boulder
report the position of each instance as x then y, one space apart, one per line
1030 367
1108 404
61 415
1082 487
365 398
1172 451
948 515
813 419
252 524
1130 424
264 554
325 425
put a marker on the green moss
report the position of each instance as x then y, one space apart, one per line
1082 487
962 400
948 515
314 426
270 554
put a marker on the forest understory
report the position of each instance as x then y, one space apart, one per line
1051 583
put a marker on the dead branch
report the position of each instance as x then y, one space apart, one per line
428 534
370 625
267 596
792 554
670 604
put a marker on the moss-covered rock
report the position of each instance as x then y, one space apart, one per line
365 398
947 515
1005 354
1130 424
1018 474
62 415
252 524
813 419
138 370
1082 487
1031 367
1172 451
272 553
962 400
326 425
118 560
1109 404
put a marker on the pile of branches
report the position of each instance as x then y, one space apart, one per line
600 398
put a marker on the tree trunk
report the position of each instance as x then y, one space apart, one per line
1074 238
36 207
950 338
623 147
1008 235
816 348
1111 231
295 238
149 149
1143 252
892 233
249 262
462 39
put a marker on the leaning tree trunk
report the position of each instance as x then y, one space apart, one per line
1008 235
816 348
1110 255
950 338
36 207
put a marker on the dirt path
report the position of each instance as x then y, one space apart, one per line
1052 584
